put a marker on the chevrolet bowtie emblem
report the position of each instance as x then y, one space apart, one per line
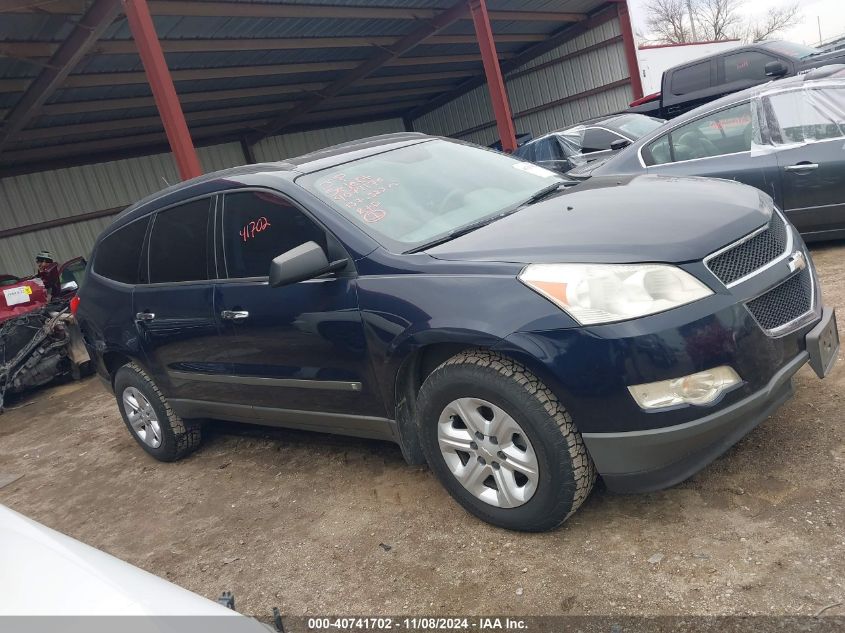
797 261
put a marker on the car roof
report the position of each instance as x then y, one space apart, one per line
586 122
288 168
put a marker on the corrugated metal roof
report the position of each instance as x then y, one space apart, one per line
37 27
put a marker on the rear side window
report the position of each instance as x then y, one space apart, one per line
746 65
257 227
179 243
119 255
691 78
798 116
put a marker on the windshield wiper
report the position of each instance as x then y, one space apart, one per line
545 191
469 228
461 230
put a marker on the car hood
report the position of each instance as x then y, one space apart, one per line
613 219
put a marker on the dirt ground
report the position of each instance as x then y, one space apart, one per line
318 524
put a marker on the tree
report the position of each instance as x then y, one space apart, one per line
666 21
717 19
776 20
673 21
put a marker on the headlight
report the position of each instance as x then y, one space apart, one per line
603 293
701 388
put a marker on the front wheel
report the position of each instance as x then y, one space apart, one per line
501 442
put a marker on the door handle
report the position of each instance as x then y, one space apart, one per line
234 315
801 167
145 316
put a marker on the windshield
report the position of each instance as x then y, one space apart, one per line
634 126
413 195
792 49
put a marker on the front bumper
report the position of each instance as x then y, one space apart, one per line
636 450
642 461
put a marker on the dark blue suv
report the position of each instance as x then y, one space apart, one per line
519 337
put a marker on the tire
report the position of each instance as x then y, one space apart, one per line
481 383
158 430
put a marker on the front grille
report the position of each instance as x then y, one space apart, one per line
784 303
753 253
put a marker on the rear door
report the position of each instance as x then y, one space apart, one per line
808 132
173 305
716 145
298 352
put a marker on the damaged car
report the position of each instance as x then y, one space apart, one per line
519 337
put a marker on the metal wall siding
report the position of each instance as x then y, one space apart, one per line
277 148
560 116
62 193
581 73
17 253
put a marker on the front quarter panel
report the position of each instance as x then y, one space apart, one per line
474 304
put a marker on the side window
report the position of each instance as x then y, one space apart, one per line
724 132
118 256
657 152
691 78
746 65
179 243
525 152
547 149
258 227
597 139
806 115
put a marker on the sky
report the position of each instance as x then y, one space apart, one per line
831 12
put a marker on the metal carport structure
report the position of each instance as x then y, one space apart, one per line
260 80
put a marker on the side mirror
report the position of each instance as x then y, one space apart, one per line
776 69
306 261
619 144
70 286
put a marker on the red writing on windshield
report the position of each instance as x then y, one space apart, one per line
252 227
360 194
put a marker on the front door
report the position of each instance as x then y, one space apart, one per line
298 352
173 304
716 145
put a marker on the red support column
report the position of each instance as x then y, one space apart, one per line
161 83
495 83
630 46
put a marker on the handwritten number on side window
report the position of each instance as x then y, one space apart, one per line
252 227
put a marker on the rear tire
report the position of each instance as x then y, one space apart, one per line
532 476
149 418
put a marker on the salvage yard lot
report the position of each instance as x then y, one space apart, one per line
318 524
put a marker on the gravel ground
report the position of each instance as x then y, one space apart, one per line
320 524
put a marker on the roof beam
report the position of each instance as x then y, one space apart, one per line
563 35
183 8
205 131
154 121
192 74
34 50
102 105
86 32
381 58
18 85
